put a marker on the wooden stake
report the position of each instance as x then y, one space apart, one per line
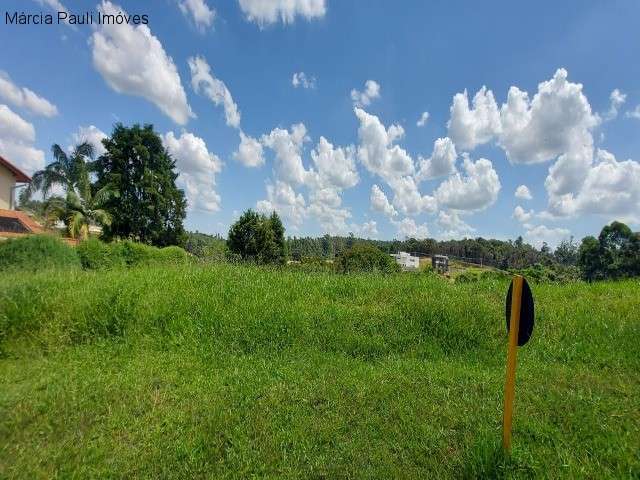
510 383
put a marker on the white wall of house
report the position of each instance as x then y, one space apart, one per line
7 182
407 261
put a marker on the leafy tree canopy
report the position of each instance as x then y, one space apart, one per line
256 237
149 207
614 254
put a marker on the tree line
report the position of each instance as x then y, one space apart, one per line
130 192
497 253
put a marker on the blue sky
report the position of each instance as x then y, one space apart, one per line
571 141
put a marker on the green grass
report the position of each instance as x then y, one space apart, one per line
36 252
234 372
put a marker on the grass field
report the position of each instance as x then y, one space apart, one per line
237 372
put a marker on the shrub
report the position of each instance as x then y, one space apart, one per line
97 255
366 258
134 253
312 264
37 252
172 254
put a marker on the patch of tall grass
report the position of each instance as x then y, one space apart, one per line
234 371
36 252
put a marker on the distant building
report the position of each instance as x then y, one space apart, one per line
406 260
440 263
10 175
13 223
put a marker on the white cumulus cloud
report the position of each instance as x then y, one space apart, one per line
334 170
16 141
422 121
452 226
334 166
408 199
199 12
380 202
265 12
250 152
301 79
287 146
370 93
611 188
523 193
377 151
203 81
92 135
198 168
367 229
408 228
557 120
283 199
635 113
616 100
476 190
472 126
132 61
521 215
537 235
22 97
442 161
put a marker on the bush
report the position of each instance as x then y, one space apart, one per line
37 252
133 253
97 255
366 258
171 254
312 264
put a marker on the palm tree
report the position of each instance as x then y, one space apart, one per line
84 209
65 171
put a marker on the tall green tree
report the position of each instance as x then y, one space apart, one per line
590 259
255 237
278 237
149 208
614 254
615 240
567 252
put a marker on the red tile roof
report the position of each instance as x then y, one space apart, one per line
21 177
24 219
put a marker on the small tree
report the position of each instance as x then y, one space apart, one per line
257 238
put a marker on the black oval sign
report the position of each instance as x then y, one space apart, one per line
526 313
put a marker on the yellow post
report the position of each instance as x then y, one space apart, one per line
509 386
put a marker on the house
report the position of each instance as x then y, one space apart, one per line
10 175
407 261
13 223
440 263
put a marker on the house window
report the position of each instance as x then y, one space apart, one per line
12 225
